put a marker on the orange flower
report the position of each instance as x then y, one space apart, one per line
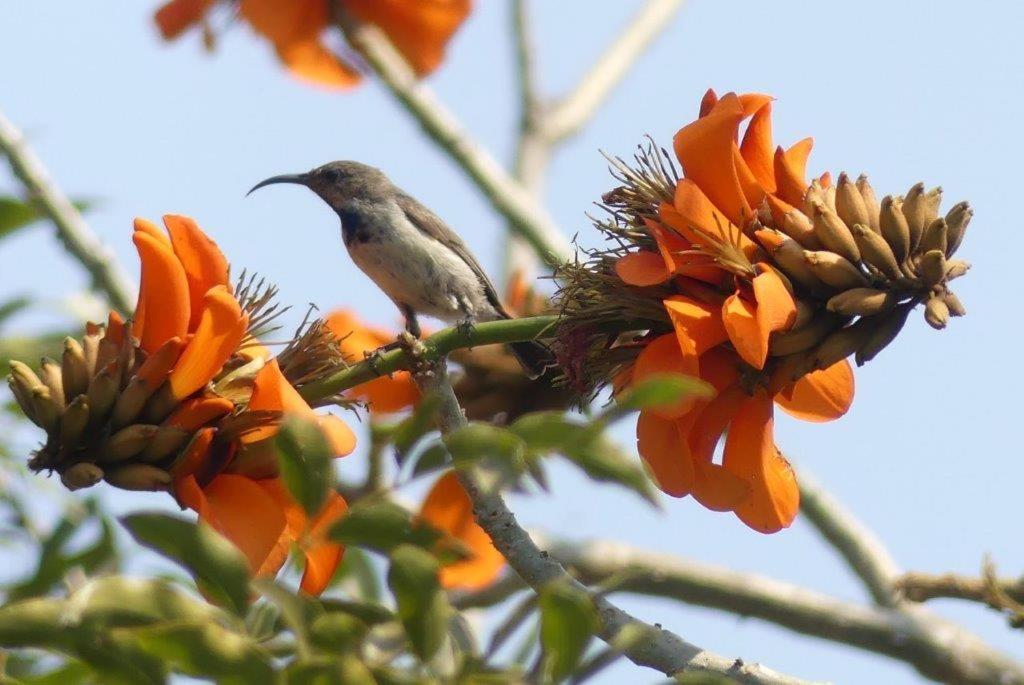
419 29
732 300
384 395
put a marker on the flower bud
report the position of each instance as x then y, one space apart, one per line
139 477
849 203
81 475
790 258
841 344
894 227
799 339
833 233
127 442
800 228
74 370
934 237
936 313
956 307
957 220
861 302
874 250
955 268
834 270
867 194
932 267
102 394
167 441
51 376
74 420
883 332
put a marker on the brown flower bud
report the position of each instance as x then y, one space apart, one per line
23 398
74 421
833 233
936 313
102 393
850 204
920 208
51 376
130 403
139 477
790 258
867 194
47 409
934 237
955 268
834 270
883 332
800 228
932 267
957 220
874 250
91 350
167 441
956 307
74 369
127 442
894 227
861 302
799 339
81 475
841 344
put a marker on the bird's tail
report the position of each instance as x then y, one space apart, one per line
533 356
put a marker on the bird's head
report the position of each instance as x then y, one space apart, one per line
337 182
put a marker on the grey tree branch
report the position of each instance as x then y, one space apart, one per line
73 232
858 546
527 217
935 647
921 587
569 115
662 650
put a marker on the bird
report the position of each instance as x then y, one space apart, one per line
411 254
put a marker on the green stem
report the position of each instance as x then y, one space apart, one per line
436 346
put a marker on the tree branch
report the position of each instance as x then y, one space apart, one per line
858 546
662 650
921 587
567 117
528 218
936 648
76 236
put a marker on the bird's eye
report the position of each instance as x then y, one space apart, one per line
332 175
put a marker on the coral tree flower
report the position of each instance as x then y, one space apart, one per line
446 507
181 399
419 29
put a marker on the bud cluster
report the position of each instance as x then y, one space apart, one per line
858 266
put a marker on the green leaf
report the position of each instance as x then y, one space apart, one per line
337 632
297 611
16 213
568 621
657 391
305 461
357 570
218 567
384 525
433 458
370 613
206 650
477 440
344 669
422 604
10 307
421 421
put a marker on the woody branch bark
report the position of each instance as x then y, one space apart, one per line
921 587
72 230
660 649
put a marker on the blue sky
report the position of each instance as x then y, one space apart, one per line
929 455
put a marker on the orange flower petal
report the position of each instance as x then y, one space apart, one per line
163 295
740 319
322 555
678 254
176 16
662 446
220 331
190 495
642 268
720 367
698 325
708 102
704 149
822 395
662 356
154 370
710 423
115 328
195 455
420 29
448 508
199 411
776 308
384 395
148 227
757 148
309 61
204 263
753 102
338 434
717 489
246 515
750 453
791 171
753 191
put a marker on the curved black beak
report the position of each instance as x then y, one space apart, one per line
299 179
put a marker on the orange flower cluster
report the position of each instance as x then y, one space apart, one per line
419 29
759 274
182 399
446 507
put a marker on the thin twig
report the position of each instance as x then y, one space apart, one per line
568 116
921 587
937 648
528 218
858 546
661 649
73 232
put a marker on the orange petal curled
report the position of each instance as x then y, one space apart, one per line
384 395
642 268
199 411
154 370
791 171
717 489
322 555
662 446
338 434
750 453
740 318
164 308
776 308
220 331
204 263
822 395
420 29
662 356
698 325
176 16
448 508
195 455
757 148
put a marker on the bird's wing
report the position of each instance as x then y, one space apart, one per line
431 225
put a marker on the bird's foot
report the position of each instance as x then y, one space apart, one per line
374 358
466 327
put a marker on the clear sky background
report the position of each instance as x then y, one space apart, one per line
930 455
